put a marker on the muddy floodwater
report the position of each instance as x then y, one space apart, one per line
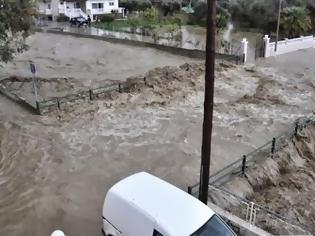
55 169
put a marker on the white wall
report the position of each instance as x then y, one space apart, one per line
107 8
42 7
288 45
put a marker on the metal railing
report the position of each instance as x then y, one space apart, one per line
239 167
243 208
255 214
89 95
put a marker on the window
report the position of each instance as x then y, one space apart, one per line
97 5
111 3
157 233
214 227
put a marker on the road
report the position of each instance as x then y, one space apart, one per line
54 174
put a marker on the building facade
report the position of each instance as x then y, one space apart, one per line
77 8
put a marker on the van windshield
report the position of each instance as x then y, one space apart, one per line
216 227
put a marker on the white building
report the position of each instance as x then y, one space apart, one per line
76 8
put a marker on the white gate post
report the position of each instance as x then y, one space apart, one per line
244 49
267 41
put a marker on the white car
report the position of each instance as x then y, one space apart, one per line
144 205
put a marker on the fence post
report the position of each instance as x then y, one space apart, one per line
58 103
244 164
189 190
296 128
273 145
91 94
244 50
251 213
38 108
267 42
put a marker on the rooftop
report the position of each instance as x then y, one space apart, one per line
175 211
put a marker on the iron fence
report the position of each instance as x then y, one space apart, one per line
239 167
243 208
89 95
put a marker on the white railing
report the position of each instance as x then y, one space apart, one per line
83 14
72 12
99 11
253 213
288 45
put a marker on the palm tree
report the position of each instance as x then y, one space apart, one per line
295 21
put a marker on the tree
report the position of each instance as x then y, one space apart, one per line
14 26
151 15
295 22
169 7
222 21
135 5
200 16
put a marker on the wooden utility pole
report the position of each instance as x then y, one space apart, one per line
208 103
278 26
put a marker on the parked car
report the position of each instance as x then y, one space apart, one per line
144 205
79 21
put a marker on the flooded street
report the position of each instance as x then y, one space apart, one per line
54 172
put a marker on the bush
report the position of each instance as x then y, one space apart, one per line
133 22
180 19
177 21
295 22
221 21
199 17
135 5
151 14
108 18
62 18
170 7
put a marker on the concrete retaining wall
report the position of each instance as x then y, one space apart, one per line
198 54
19 100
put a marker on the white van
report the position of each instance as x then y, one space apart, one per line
144 205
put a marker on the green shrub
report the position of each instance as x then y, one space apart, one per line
108 18
135 5
133 22
151 14
180 19
62 18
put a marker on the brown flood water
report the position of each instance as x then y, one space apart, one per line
55 173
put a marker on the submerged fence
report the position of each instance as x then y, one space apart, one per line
89 94
42 106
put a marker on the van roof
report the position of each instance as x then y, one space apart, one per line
175 211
